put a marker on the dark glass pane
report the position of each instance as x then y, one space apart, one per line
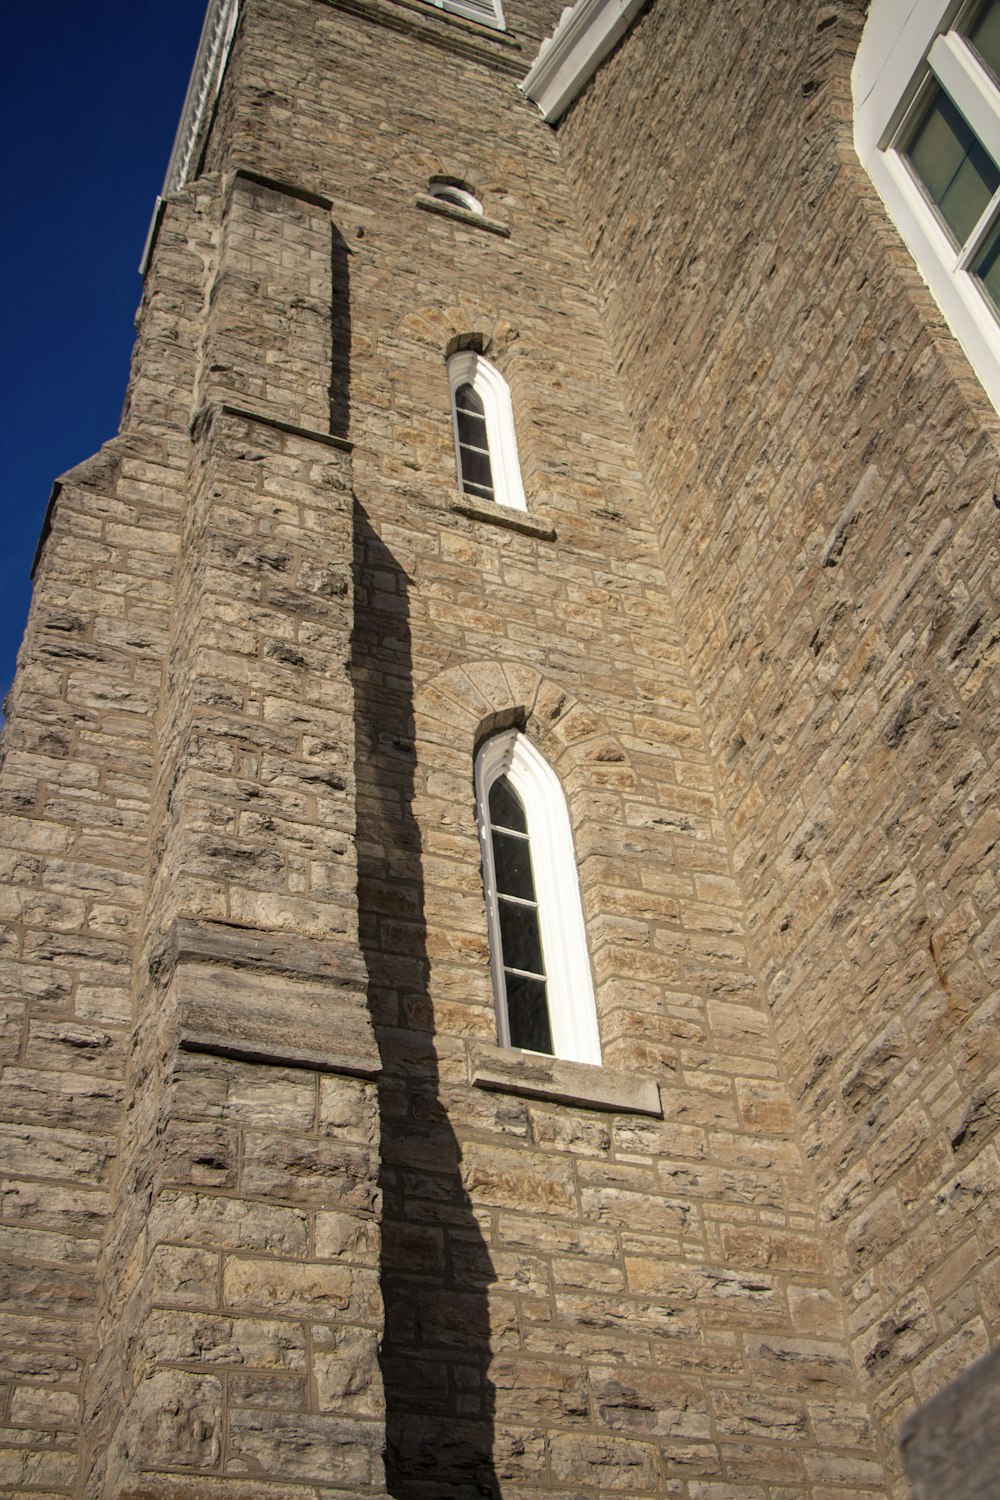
506 810
987 267
476 467
519 936
466 399
528 1014
512 860
957 171
984 34
472 431
484 491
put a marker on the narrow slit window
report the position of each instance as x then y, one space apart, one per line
538 948
485 441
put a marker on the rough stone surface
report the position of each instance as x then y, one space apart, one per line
263 1234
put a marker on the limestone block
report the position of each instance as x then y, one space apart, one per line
176 1420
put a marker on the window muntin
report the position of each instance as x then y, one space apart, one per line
538 951
927 128
485 441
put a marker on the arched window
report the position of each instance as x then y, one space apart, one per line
538 947
485 443
926 84
458 194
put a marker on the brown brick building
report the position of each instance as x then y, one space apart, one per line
626 457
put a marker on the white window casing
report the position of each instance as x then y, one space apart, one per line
469 368
485 12
906 50
572 1012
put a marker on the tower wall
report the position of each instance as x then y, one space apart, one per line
313 1232
823 472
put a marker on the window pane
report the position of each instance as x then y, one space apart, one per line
466 399
472 430
987 267
984 35
476 467
519 936
512 861
956 170
528 1014
506 810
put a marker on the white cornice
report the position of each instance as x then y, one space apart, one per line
202 92
586 33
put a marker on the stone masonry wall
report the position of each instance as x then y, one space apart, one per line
576 1298
824 471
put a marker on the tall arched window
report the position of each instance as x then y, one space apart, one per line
538 947
485 443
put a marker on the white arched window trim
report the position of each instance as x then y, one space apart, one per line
469 368
572 1012
904 49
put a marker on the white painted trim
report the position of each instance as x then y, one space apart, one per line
569 58
572 1011
447 191
468 367
202 91
484 12
905 44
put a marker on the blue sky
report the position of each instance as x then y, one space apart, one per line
90 101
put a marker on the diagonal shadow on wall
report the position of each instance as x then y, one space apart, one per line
436 1267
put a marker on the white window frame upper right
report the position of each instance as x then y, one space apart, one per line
900 58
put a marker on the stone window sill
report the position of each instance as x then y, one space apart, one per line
508 1071
434 205
503 515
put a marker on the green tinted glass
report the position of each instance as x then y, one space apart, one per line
957 172
984 34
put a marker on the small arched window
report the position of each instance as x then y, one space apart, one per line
450 190
485 442
538 947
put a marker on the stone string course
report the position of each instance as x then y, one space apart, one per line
278 1219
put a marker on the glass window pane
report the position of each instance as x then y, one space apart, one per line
987 267
476 467
512 861
528 1014
467 400
519 937
984 34
956 170
506 810
472 430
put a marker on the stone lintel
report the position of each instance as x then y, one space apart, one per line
434 205
277 185
278 1055
206 414
504 515
506 1070
190 940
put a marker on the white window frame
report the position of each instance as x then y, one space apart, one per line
469 368
572 1011
899 58
447 190
485 12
